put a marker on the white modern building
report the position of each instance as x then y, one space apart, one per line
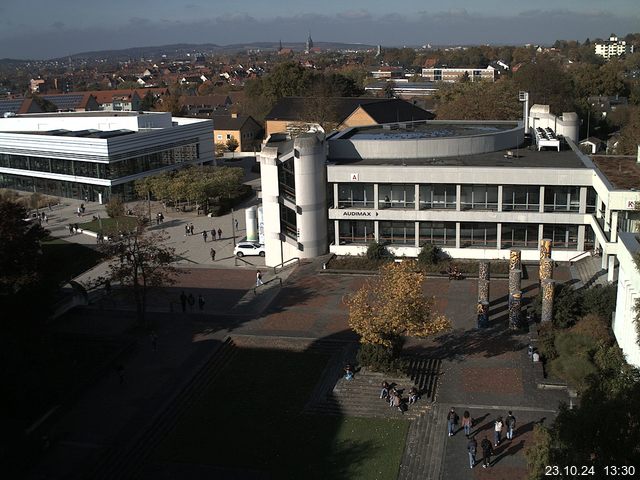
445 74
96 155
624 326
613 47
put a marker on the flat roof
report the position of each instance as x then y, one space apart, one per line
93 113
622 171
90 133
426 129
524 157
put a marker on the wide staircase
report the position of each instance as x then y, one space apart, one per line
425 447
588 272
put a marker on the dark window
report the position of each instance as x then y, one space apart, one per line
519 235
520 197
438 233
398 232
478 235
356 231
355 195
396 196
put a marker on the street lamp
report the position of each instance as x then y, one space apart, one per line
233 227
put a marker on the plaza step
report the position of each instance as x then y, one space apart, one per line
425 447
588 272
126 459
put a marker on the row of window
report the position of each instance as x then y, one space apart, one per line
110 171
472 197
472 234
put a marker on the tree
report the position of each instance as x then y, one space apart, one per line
140 263
149 102
232 144
429 254
479 101
19 247
221 148
393 305
547 84
115 207
388 91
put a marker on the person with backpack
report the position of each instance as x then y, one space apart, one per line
487 451
497 431
472 447
511 425
452 421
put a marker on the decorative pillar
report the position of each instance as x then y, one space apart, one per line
515 283
515 259
547 300
483 314
515 304
483 291
483 271
545 248
546 266
546 269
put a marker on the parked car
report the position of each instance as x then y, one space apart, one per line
248 248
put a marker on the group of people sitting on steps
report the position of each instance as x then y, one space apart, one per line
393 395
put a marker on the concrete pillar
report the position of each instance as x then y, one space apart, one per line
483 314
548 287
376 205
457 234
336 196
336 232
499 236
581 235
515 280
416 196
614 226
458 197
515 309
541 209
376 230
499 198
261 235
417 236
611 268
583 200
604 260
251 222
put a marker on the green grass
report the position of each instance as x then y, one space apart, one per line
62 261
110 225
250 419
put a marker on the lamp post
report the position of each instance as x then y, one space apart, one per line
233 228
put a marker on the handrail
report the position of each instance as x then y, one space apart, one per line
282 265
578 257
236 258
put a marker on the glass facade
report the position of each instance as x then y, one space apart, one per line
355 195
592 200
396 195
288 222
561 199
437 196
479 197
403 233
520 197
356 231
286 180
478 235
563 237
62 188
519 235
438 233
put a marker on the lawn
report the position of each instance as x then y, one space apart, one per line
250 418
62 261
110 226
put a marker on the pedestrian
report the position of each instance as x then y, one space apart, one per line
384 391
183 301
487 451
472 447
219 234
236 223
46 219
201 302
213 255
78 211
466 423
204 236
70 229
157 219
213 234
82 207
511 424
452 421
186 230
191 300
497 431
154 340
413 395
191 229
348 372
76 227
396 401
259 278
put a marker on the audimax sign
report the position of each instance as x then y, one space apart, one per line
359 213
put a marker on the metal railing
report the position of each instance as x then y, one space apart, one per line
282 265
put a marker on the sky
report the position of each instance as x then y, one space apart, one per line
42 29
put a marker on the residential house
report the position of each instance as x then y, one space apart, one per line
205 105
613 47
246 130
591 145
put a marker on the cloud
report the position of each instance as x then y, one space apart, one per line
58 25
454 27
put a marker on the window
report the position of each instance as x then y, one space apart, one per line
398 232
228 136
437 196
520 197
396 196
288 222
356 231
561 199
479 197
219 136
437 233
355 195
563 237
478 235
286 179
592 198
519 235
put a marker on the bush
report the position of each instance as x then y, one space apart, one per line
381 359
115 207
377 251
546 342
600 300
357 262
429 254
566 306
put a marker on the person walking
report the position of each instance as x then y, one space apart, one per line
204 236
213 234
186 230
259 278
70 229
201 302
472 448
219 234
191 229
191 300
236 223
348 372
487 451
384 390
497 431
183 301
466 423
452 421
511 424
213 255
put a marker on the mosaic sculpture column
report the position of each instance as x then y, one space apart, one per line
483 314
545 253
515 259
515 304
547 300
515 280
546 269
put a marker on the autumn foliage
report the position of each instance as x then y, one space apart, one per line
393 305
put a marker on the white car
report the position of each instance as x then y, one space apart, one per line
248 248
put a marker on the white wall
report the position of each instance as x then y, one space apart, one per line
624 327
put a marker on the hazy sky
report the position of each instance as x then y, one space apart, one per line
52 28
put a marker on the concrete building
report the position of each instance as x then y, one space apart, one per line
96 155
445 74
624 326
613 47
